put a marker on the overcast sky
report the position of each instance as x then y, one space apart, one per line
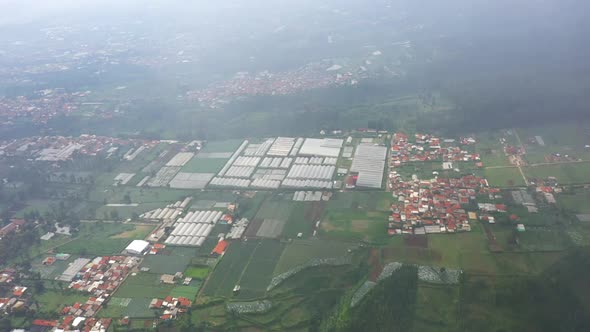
26 11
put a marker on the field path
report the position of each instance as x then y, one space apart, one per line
249 260
524 150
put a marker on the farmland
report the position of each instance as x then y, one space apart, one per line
248 264
98 239
575 201
570 173
504 177
300 252
317 250
204 165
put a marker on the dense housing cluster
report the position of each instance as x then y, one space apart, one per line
62 148
425 147
311 76
433 206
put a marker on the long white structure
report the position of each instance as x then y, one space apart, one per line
281 147
320 172
321 147
265 184
295 151
231 160
193 228
180 159
246 161
229 182
259 150
276 162
295 183
369 163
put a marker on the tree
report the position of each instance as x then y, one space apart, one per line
5 324
114 215
127 198
39 287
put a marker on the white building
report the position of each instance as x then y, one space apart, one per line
137 247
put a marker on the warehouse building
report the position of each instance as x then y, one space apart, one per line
281 147
369 163
259 150
193 229
70 273
137 247
321 147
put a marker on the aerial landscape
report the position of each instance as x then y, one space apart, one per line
328 165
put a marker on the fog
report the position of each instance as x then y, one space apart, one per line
456 45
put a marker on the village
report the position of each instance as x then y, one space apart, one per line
221 200
308 77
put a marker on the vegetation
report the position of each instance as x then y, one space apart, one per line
390 306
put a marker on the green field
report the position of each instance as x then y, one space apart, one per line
357 216
275 209
198 272
130 307
367 200
504 177
437 308
137 195
144 285
490 150
301 220
576 201
222 146
50 271
565 173
248 264
300 252
543 239
53 301
565 139
97 239
204 165
170 261
190 292
40 205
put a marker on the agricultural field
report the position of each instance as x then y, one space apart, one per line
41 205
271 218
52 271
133 297
437 308
296 302
558 139
303 218
248 264
504 177
299 252
197 272
466 251
570 173
170 260
140 289
490 150
54 300
99 239
356 216
189 292
204 165
369 200
138 232
221 146
576 201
